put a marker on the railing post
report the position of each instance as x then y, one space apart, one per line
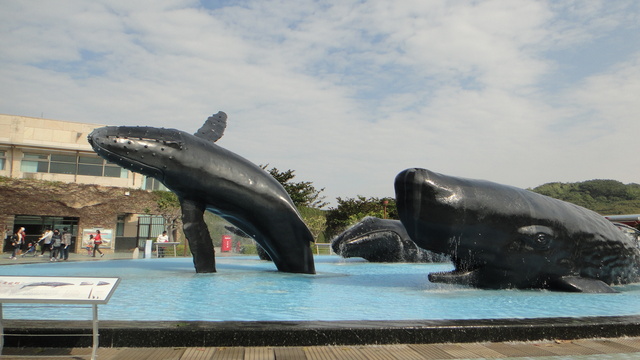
96 335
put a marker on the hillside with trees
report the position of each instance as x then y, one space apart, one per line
349 211
606 197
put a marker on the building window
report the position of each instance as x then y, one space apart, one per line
35 163
71 164
91 166
113 170
150 226
3 159
120 225
153 184
62 164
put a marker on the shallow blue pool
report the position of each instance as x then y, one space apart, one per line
247 289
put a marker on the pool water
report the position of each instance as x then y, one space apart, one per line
248 289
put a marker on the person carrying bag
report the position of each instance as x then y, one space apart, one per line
97 241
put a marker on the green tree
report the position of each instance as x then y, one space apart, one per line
169 208
351 210
607 197
606 190
302 193
317 225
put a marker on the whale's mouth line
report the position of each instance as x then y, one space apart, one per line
134 165
367 237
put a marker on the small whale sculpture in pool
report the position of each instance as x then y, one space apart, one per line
381 240
205 176
500 236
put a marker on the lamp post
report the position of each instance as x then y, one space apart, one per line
384 208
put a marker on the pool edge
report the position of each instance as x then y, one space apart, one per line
312 333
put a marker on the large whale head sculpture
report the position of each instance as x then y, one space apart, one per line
206 176
503 237
381 240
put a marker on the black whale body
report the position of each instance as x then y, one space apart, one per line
503 237
381 240
206 176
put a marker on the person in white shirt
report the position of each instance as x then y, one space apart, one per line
45 241
162 238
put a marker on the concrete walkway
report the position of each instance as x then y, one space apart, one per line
82 256
596 349
30 259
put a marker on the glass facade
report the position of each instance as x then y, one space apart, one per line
150 226
92 166
120 225
36 225
153 184
35 163
69 163
3 159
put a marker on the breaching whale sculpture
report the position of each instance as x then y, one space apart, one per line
381 240
503 237
205 176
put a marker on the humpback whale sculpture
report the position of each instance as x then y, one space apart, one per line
503 237
381 240
205 176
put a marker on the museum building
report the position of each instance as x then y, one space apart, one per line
97 194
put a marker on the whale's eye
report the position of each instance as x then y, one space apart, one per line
537 237
173 144
542 239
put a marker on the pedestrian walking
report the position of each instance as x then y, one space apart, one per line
89 245
56 243
45 242
16 242
23 240
66 241
97 241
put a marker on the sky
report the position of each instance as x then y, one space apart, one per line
348 93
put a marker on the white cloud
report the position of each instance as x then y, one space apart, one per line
347 94
605 127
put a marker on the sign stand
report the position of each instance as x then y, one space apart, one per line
57 290
148 248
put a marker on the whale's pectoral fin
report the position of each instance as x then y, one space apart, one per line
213 128
237 231
467 277
580 284
197 233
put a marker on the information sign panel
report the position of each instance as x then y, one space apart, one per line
57 289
